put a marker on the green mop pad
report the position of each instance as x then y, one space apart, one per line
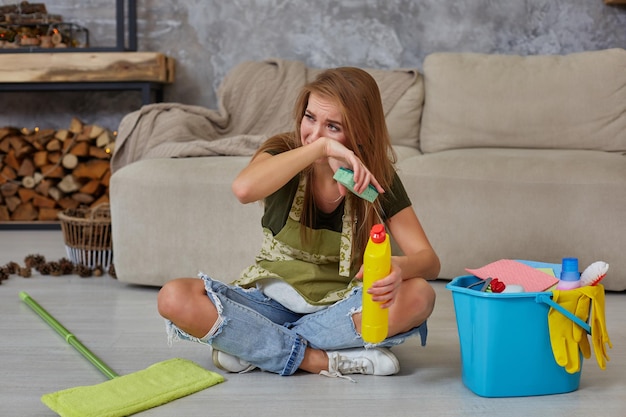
122 395
128 394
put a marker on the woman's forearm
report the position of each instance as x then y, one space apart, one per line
424 264
266 173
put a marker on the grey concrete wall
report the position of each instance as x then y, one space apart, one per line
209 37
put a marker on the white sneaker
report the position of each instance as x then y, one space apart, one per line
230 363
375 361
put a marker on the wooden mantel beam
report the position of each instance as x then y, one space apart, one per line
86 67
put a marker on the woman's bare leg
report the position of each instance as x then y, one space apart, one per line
184 302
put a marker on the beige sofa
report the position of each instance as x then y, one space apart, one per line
503 157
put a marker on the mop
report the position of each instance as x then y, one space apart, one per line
123 395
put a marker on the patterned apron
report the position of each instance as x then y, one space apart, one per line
319 270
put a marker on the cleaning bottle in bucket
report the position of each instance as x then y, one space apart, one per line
376 265
570 276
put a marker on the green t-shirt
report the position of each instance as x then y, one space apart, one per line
278 204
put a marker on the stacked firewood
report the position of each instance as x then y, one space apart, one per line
25 12
44 171
30 25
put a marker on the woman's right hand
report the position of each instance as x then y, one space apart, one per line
340 156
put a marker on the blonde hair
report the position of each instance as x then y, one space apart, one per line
357 95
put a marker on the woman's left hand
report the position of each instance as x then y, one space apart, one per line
385 289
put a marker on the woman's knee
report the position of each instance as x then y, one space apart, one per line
184 302
173 297
415 306
424 298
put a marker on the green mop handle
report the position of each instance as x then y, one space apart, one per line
69 337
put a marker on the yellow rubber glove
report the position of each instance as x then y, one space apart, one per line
580 334
599 334
565 346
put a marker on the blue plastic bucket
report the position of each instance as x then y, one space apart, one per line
505 342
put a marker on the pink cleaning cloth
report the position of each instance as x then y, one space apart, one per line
514 272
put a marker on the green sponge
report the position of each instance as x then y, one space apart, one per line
345 177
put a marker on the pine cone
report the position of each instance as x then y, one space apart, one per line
35 261
67 267
83 271
11 268
44 269
3 275
112 271
55 269
25 272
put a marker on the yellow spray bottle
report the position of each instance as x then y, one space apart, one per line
376 265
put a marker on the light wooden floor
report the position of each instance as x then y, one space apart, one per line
119 323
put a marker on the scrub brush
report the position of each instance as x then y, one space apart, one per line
594 273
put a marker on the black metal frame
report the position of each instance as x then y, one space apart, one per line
34 225
151 92
124 25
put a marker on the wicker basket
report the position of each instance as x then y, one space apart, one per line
87 234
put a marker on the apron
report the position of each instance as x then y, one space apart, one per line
319 269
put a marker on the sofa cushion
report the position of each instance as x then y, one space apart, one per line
403 120
405 152
575 101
